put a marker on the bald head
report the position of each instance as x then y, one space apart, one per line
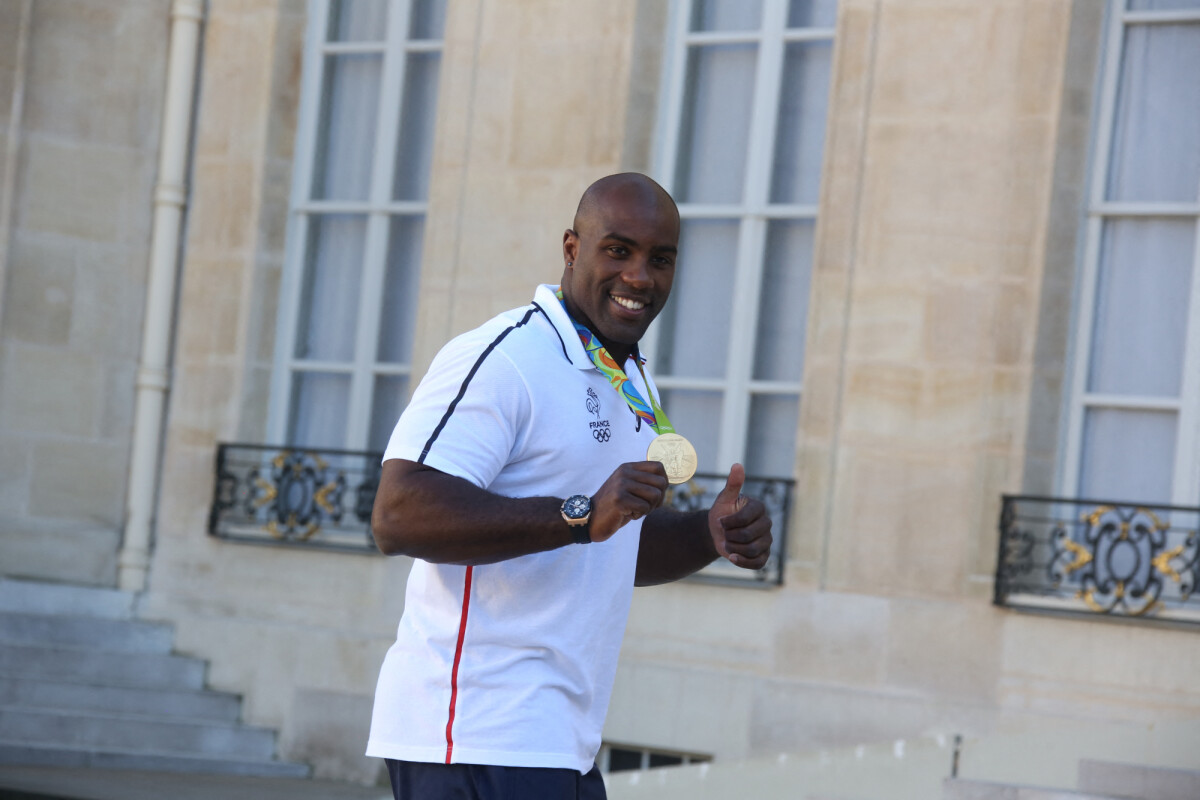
632 192
619 259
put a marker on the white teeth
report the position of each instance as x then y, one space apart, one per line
632 305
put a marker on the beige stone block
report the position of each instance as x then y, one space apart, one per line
202 400
983 59
14 472
110 301
285 86
97 72
690 708
50 391
62 181
886 322
1085 660
899 523
806 533
327 730
954 199
1041 51
820 405
557 125
996 475
210 304
690 623
882 400
40 296
79 480
946 649
239 57
832 637
224 207
828 316
77 552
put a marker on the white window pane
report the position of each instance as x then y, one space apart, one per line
812 13
783 302
347 138
357 20
771 438
1156 135
1142 307
428 19
386 405
697 416
715 129
800 132
1127 455
319 410
414 154
694 327
1163 5
332 281
400 289
726 15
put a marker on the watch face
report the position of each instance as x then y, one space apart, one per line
577 506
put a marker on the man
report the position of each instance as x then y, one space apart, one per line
518 479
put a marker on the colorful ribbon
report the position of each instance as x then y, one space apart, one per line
653 413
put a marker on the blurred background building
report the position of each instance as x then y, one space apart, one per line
938 290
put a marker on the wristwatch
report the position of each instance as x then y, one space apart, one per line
577 511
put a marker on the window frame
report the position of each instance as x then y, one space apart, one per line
753 214
1185 488
379 210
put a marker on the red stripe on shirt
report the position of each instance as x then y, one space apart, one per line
462 631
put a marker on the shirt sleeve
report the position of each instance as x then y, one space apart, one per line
468 415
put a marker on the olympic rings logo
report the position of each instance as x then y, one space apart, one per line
601 434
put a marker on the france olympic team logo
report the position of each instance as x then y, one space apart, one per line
600 428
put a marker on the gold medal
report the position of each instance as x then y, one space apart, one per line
676 454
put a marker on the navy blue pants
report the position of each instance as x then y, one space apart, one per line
415 780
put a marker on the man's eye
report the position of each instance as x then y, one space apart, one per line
618 251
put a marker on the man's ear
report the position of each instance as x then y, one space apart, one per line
570 246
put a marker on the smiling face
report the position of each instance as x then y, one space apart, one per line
620 259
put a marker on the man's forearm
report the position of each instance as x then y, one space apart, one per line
673 545
439 518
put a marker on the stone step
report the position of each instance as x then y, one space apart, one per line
91 632
23 754
59 663
199 704
1142 782
102 732
33 597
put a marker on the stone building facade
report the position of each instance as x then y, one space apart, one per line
939 333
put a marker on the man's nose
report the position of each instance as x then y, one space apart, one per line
637 273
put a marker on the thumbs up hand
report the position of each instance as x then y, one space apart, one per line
740 527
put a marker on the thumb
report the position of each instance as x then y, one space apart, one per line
733 486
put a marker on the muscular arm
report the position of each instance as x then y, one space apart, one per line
676 544
427 514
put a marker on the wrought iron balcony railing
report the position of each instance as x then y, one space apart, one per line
323 499
309 498
1099 557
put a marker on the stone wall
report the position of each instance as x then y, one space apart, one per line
74 267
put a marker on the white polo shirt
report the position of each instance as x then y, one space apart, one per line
513 663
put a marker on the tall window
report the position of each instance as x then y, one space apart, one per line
360 191
1134 417
741 141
